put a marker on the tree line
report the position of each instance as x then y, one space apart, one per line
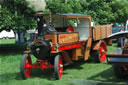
15 14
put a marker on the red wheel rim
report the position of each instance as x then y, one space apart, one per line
102 51
27 66
60 67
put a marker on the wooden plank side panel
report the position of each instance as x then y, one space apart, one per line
101 32
68 38
63 38
97 32
109 29
52 37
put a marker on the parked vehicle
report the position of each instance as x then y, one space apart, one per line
120 41
119 60
58 42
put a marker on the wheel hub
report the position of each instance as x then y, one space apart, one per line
61 66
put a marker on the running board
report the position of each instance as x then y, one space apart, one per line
117 58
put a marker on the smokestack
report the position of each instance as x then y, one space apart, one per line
38 6
40 24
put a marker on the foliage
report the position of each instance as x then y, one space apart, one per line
15 14
6 18
120 11
56 6
100 12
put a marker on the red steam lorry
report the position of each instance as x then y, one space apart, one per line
59 43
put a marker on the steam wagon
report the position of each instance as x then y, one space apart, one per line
62 39
119 59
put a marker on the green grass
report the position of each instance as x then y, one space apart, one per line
7 41
79 73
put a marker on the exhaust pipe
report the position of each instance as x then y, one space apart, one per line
40 23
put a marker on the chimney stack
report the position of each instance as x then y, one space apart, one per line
40 23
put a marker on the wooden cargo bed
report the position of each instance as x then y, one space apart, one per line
101 32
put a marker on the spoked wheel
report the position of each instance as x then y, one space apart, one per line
102 52
25 66
58 66
121 71
100 55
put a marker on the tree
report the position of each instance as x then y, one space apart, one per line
100 11
120 11
17 16
58 6
61 6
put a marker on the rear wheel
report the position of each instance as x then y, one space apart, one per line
58 66
25 66
121 71
100 55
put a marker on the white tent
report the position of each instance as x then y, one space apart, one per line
5 34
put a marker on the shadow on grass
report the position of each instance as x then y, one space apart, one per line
46 74
6 49
78 64
75 65
8 77
36 73
108 78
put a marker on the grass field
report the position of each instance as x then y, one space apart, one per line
79 73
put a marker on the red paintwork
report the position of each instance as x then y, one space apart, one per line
27 66
67 46
101 53
42 65
53 48
60 69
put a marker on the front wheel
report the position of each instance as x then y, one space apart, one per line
58 66
25 66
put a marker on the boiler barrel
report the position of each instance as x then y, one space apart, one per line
41 51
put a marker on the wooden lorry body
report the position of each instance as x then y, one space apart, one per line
83 33
51 49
